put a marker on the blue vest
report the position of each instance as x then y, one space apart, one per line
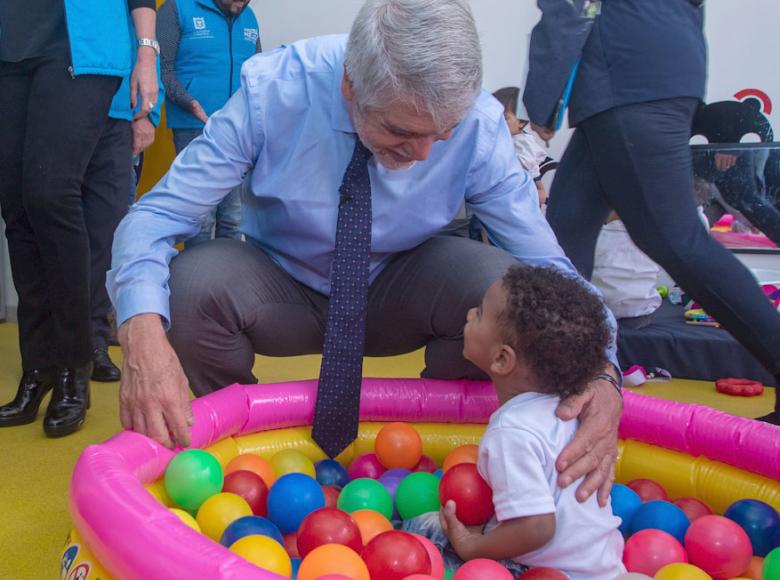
211 51
100 37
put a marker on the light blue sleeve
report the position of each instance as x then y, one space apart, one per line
200 177
503 196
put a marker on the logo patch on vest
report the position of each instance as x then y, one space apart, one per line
250 34
199 22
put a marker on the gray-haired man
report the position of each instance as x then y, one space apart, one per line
407 84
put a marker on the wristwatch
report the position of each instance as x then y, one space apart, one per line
150 42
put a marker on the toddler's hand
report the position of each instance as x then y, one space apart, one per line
457 533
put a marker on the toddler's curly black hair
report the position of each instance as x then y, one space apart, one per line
557 326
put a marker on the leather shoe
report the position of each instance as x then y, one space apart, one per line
69 402
32 388
103 368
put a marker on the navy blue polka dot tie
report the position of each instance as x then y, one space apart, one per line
338 396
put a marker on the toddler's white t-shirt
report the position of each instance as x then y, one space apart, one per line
517 458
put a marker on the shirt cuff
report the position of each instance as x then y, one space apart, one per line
143 299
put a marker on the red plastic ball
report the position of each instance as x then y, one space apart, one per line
366 465
328 526
291 544
251 487
331 496
394 555
719 546
472 495
648 490
481 569
650 550
692 507
437 561
543 574
425 464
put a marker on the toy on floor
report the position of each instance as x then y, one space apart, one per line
739 387
118 499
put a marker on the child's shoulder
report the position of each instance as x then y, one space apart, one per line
534 414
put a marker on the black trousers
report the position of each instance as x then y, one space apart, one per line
106 191
50 127
636 160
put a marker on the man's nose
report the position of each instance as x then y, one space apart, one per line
419 148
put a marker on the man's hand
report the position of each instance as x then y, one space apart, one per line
143 82
593 450
198 111
459 535
154 392
143 135
543 132
725 161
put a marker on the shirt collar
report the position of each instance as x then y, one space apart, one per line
339 114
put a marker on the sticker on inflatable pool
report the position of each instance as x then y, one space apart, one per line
78 562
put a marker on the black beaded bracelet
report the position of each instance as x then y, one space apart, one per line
611 380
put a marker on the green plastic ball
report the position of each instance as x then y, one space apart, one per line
417 494
366 494
448 574
771 568
192 477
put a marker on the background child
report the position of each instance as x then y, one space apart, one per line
541 336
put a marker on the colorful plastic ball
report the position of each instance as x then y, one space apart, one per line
543 574
480 569
472 495
425 464
771 569
192 477
264 553
437 561
331 496
462 454
625 502
333 559
758 519
370 524
753 571
328 526
661 515
334 577
439 473
680 571
292 461
648 490
693 508
296 565
633 576
219 511
251 487
291 544
254 463
293 497
398 445
187 519
424 577
391 479
364 493
366 465
250 526
719 546
395 555
331 473
449 574
417 494
650 550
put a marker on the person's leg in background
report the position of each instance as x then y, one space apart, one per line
105 194
227 220
182 138
576 208
643 162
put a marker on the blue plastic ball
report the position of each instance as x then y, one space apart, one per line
759 520
250 526
293 497
439 473
331 472
625 502
661 515
296 565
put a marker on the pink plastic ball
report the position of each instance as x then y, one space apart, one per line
719 546
650 550
425 464
437 562
366 465
543 574
648 490
481 569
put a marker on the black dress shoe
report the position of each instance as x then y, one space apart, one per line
32 388
773 418
69 402
103 369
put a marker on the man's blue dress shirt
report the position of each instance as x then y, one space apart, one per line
289 128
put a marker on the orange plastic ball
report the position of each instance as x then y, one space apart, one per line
462 454
754 568
332 559
254 463
398 445
370 524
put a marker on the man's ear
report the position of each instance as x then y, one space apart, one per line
346 87
504 361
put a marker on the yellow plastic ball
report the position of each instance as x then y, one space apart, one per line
264 552
187 519
292 461
679 571
219 511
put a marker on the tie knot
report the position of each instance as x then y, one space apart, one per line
361 151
